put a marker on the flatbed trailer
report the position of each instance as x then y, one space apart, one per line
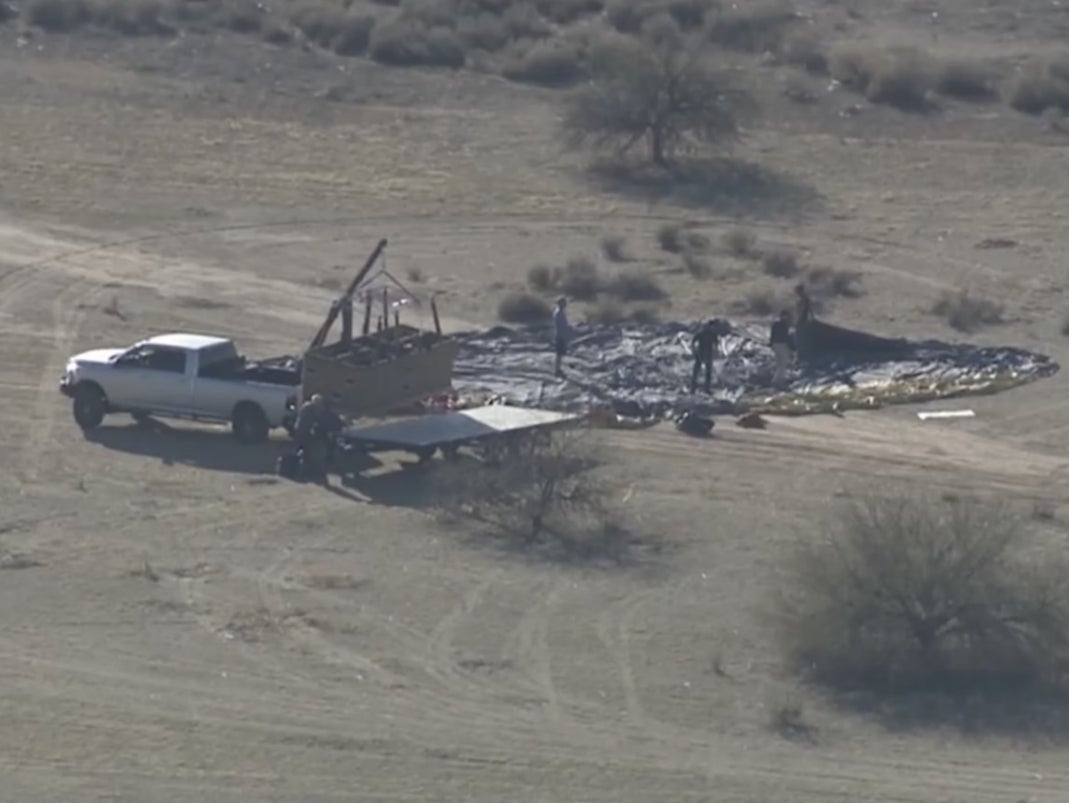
491 431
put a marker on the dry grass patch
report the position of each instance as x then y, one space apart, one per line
834 283
670 238
579 279
697 266
634 286
523 308
899 77
405 42
741 243
966 80
966 312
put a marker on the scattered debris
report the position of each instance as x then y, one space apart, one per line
694 424
752 421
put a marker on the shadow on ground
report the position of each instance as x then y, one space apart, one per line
1040 714
724 185
207 449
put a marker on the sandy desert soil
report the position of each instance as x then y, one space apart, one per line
177 625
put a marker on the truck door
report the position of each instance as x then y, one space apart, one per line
155 378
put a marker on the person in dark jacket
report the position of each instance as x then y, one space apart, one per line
704 347
314 432
782 342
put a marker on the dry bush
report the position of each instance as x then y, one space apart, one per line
347 33
57 16
696 243
241 16
7 12
670 237
741 243
614 248
541 278
540 490
755 27
633 286
833 283
524 22
580 279
916 593
628 16
901 81
483 31
1065 326
966 80
131 17
1042 85
781 264
697 266
523 308
565 12
966 313
406 42
762 301
551 63
804 50
353 35
853 66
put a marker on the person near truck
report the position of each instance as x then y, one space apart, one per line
562 334
803 322
704 347
782 343
314 431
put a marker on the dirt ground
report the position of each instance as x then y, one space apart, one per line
177 625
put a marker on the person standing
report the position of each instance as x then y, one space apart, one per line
704 347
803 322
783 348
562 334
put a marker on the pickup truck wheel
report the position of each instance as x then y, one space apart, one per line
249 423
89 407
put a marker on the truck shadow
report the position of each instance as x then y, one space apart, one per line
212 450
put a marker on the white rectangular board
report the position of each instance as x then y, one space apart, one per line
456 426
946 414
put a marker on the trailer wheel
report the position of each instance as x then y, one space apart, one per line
249 424
89 406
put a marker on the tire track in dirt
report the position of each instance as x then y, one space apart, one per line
613 626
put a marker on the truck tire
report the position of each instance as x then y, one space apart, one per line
89 406
249 423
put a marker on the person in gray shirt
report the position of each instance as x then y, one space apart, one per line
562 334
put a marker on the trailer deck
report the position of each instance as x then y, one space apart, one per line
453 429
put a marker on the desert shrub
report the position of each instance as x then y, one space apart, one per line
614 248
407 43
762 301
697 266
696 242
484 31
661 94
853 66
670 238
1065 326
541 278
353 34
130 17
781 264
804 50
910 592
901 81
565 12
741 243
57 15
277 34
552 63
241 16
541 491
580 279
967 80
523 308
754 27
829 282
628 16
634 286
1041 86
523 21
318 22
7 12
966 313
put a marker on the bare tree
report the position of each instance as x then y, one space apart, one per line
660 90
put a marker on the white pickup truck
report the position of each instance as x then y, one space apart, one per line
194 377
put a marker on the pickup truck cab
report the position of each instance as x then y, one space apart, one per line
188 376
